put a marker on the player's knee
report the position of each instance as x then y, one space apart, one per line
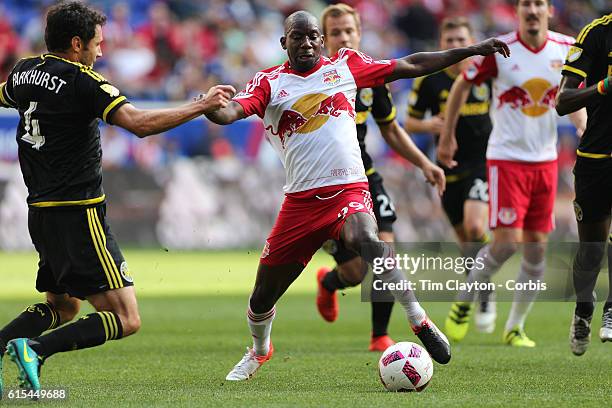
130 323
135 323
359 240
535 253
590 256
473 230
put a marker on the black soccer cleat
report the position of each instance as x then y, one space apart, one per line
434 340
580 334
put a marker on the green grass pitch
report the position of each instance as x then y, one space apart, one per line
194 330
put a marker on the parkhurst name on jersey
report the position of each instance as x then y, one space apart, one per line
50 82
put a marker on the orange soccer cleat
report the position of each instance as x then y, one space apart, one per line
380 343
327 302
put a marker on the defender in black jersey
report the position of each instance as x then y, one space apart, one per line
466 196
341 28
589 62
60 99
467 180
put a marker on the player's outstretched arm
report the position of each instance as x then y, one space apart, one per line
403 145
447 145
570 98
146 122
227 114
423 63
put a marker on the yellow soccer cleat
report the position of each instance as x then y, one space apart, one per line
457 321
517 338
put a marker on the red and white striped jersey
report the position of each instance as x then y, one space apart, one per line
309 117
524 90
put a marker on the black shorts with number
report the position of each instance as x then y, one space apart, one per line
462 186
593 185
385 217
383 206
78 254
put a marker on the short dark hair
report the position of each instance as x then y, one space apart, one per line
452 23
66 20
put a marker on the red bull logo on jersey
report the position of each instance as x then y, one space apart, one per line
534 98
309 113
331 77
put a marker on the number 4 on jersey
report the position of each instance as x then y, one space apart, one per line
32 128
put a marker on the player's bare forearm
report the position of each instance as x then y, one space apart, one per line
146 122
402 144
227 115
424 63
154 121
579 120
570 98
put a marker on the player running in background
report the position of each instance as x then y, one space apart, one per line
464 162
60 98
521 159
590 60
308 108
342 29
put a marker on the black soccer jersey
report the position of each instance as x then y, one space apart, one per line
379 102
429 93
591 59
59 103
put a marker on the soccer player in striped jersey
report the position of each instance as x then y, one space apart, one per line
60 99
589 60
308 108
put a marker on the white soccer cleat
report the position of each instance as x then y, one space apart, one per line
605 333
580 335
248 366
485 316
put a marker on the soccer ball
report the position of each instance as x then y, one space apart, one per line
405 367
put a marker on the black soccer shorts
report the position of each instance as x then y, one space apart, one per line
78 254
593 186
468 185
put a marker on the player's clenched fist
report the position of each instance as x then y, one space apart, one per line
491 46
217 97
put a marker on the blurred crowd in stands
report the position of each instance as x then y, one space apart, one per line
171 50
168 50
